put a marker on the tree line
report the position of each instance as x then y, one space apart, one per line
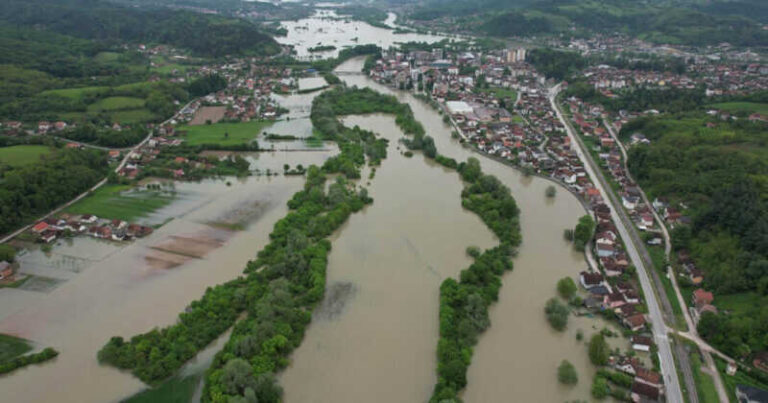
30 191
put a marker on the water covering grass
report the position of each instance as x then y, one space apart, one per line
116 202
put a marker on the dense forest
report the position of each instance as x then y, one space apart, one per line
716 172
204 34
32 190
657 21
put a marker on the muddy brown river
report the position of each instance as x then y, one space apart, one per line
373 339
378 342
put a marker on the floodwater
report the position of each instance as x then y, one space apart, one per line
372 346
376 331
102 289
328 28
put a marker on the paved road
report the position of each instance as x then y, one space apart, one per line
692 333
96 186
659 328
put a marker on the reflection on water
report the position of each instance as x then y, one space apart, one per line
349 359
326 28
106 289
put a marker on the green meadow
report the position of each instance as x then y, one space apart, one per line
21 155
116 202
224 133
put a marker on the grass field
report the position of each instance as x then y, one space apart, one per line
106 57
236 133
705 385
741 378
174 390
116 103
17 156
133 116
75 93
758 107
500 92
114 202
12 347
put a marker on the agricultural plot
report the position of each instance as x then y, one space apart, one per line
121 202
224 133
17 156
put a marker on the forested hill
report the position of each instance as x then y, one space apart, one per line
205 35
678 22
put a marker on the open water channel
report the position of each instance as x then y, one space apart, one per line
373 339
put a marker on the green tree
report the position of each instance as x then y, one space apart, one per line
600 388
566 373
557 314
7 253
583 232
566 287
599 350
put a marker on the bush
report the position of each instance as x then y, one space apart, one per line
599 351
582 234
566 287
566 373
600 388
28 359
551 191
557 314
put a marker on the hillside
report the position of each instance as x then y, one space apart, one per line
681 22
203 34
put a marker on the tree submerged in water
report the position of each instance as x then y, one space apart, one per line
551 191
566 373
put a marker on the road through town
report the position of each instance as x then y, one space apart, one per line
667 362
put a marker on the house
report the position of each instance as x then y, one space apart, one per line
604 250
40 227
590 279
48 236
646 221
696 276
701 297
6 270
629 202
648 377
88 219
635 322
750 394
761 361
642 390
614 300
641 343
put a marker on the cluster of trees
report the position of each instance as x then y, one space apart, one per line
739 333
654 21
27 192
599 350
204 34
566 373
556 64
277 293
582 234
464 303
89 133
165 162
487 197
18 362
207 84
719 173
326 65
557 314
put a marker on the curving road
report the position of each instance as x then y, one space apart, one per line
659 327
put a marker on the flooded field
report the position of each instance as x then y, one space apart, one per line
328 28
375 333
517 356
87 290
